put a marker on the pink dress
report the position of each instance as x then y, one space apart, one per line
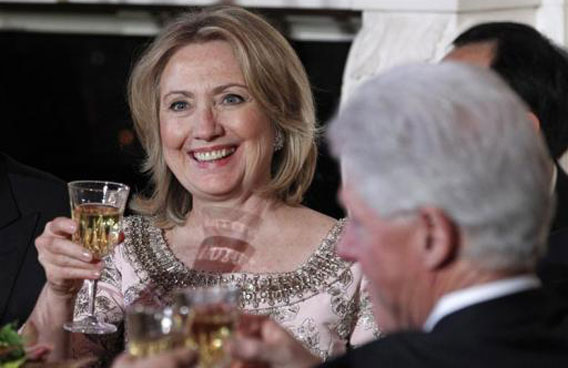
323 302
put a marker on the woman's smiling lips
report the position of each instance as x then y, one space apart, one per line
212 155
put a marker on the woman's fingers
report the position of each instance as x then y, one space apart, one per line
65 263
62 247
55 239
60 226
62 259
58 275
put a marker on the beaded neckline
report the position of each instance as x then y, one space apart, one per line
154 262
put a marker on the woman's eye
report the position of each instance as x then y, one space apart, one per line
232 99
178 106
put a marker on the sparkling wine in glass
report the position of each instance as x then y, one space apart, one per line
97 207
150 331
213 314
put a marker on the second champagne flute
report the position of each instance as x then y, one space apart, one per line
213 313
97 207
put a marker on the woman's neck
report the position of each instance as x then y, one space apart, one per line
253 206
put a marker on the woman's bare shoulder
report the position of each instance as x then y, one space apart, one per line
310 223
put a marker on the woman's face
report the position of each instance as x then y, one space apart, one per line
215 138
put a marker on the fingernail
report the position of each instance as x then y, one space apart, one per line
72 227
97 274
86 255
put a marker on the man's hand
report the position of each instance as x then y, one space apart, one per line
268 344
178 358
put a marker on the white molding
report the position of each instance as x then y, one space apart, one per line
551 19
141 23
357 5
299 4
122 23
322 28
442 5
283 4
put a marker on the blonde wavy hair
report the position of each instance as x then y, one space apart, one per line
276 79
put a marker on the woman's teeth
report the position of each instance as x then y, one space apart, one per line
213 155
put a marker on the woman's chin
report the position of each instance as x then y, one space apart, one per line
217 193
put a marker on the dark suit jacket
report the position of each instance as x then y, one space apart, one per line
561 188
28 200
523 330
553 267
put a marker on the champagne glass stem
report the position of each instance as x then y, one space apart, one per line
92 289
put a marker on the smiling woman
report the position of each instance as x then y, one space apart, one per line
216 139
224 110
259 60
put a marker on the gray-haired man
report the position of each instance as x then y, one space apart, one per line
447 186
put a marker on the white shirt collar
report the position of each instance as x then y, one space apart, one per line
456 300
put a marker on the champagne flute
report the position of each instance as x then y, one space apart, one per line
97 207
213 313
150 331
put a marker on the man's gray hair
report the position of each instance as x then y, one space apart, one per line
457 138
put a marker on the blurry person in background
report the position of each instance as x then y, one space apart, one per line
537 70
447 186
224 110
29 198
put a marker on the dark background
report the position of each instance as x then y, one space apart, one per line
64 106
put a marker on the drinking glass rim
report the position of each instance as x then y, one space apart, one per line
120 186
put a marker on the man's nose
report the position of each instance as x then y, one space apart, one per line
345 248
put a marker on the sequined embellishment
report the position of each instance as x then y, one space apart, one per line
156 265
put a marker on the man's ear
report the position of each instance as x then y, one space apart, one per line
440 238
534 120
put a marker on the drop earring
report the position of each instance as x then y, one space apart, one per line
278 140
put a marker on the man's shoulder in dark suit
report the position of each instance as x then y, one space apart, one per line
552 269
30 198
34 189
528 329
561 189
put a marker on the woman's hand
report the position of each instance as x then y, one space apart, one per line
66 264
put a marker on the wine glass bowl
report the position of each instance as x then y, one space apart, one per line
150 331
213 313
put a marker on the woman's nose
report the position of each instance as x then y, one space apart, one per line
207 126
